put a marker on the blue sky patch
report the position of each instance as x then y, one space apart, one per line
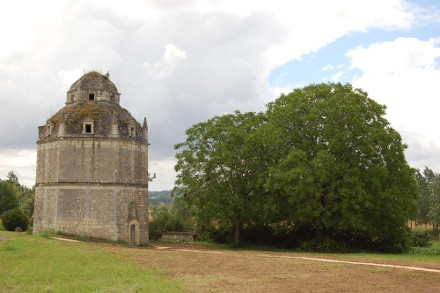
331 64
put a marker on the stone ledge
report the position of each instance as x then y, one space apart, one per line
178 236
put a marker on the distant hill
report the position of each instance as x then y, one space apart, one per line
159 197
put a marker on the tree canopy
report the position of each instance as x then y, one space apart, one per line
218 170
428 211
8 200
339 170
13 194
322 160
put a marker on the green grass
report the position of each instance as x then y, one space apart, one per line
37 264
435 242
85 238
420 254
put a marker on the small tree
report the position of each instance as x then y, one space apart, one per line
218 171
425 194
428 183
8 200
13 219
27 204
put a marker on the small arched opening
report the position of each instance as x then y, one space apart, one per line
132 234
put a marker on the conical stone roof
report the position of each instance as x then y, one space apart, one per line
94 81
109 119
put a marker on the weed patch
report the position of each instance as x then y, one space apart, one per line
425 250
90 239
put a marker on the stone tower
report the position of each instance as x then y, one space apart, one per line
92 166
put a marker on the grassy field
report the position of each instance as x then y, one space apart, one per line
36 264
31 263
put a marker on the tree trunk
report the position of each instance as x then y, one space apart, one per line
237 232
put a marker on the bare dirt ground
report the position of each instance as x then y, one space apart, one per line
207 270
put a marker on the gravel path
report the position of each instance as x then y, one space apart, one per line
3 238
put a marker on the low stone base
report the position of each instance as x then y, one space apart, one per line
178 236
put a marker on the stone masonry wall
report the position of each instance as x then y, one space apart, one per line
86 186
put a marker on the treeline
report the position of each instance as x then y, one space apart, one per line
167 214
159 197
16 203
428 204
320 169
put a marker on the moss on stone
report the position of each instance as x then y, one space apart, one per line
87 110
95 73
55 118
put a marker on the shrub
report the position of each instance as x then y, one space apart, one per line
155 234
322 244
420 238
14 218
425 250
222 234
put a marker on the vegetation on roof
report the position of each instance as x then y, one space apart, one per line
55 118
87 110
97 74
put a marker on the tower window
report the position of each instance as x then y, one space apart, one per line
132 132
88 127
91 97
49 132
72 98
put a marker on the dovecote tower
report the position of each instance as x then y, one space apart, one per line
92 166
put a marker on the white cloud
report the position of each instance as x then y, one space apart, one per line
285 90
314 24
217 57
402 75
164 170
335 77
327 68
69 77
422 151
21 162
400 56
171 59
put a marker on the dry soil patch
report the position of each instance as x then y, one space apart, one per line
205 270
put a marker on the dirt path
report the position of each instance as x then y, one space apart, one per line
65 239
413 268
205 270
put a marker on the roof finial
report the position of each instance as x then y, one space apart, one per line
145 130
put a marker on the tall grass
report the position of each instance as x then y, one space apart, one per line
36 264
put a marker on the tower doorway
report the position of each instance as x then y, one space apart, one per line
132 234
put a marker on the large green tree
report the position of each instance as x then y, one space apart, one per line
338 169
218 171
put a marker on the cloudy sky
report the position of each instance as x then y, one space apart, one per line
179 62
